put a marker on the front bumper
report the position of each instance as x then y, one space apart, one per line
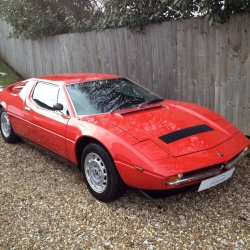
209 171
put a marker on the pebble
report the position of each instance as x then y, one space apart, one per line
107 245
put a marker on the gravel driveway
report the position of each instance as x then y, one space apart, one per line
45 205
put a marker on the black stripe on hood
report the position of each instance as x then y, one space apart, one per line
186 132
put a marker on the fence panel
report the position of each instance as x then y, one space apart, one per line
186 60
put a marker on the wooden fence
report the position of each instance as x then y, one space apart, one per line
186 60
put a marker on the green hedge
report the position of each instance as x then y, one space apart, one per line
33 19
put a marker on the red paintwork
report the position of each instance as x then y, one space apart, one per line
131 138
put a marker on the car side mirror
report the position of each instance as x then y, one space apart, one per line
58 107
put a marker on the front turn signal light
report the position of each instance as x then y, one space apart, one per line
174 178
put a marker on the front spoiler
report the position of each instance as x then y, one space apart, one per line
159 194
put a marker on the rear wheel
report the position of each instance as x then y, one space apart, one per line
6 128
100 173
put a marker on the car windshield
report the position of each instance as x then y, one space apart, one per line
103 96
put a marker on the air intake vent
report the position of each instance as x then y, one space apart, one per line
186 132
144 109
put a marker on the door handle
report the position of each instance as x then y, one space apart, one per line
26 109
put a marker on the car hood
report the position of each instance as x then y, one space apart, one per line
179 128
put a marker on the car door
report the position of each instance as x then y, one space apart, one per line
45 126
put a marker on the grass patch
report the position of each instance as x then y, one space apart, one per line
8 75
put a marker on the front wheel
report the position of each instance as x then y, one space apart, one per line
100 173
6 128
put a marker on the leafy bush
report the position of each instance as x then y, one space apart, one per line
33 19
214 11
130 14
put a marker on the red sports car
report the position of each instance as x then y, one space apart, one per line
120 134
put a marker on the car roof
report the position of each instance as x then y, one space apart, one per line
76 77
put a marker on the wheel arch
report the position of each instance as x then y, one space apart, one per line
82 142
3 105
7 131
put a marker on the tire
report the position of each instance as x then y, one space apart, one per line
100 173
6 128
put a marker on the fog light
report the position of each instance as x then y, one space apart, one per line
174 178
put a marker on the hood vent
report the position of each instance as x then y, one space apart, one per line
143 109
186 132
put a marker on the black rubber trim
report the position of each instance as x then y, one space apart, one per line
186 132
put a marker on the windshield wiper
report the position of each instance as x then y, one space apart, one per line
120 105
155 100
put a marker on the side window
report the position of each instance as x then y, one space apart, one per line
45 95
